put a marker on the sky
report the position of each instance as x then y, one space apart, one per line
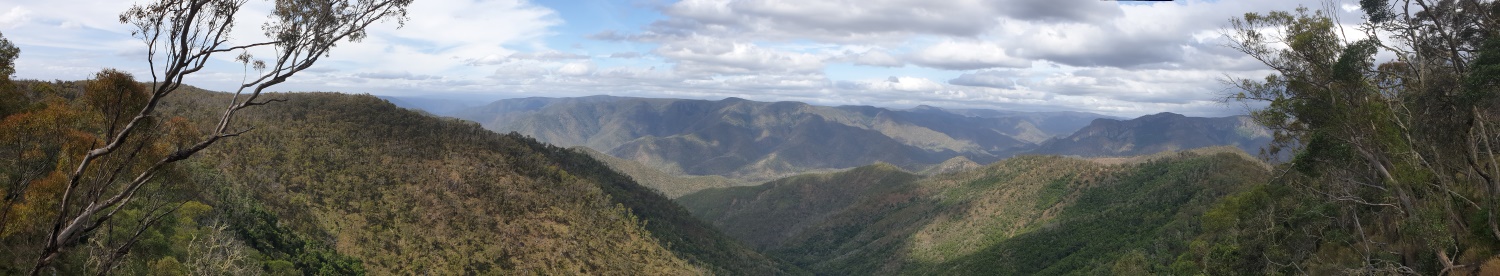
1114 58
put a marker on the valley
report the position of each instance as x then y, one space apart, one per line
1025 215
740 137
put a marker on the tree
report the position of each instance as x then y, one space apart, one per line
8 54
1403 149
180 37
9 98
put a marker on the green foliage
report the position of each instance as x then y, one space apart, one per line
1481 84
1026 215
116 96
402 192
8 54
1135 223
168 266
262 231
1053 192
1393 159
765 215
333 184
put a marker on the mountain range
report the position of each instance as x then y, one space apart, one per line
1157 133
754 141
351 184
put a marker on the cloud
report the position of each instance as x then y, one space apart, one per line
1085 55
1155 35
609 35
444 38
706 57
576 69
14 17
1146 85
862 20
1088 55
954 55
836 20
872 57
790 82
547 55
990 78
625 55
1061 10
392 75
910 84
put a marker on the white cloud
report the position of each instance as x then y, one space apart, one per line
1003 79
443 37
706 57
1122 59
391 75
576 69
910 84
14 17
873 57
954 55
625 55
864 20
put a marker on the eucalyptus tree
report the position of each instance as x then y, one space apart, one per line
8 53
182 37
1392 123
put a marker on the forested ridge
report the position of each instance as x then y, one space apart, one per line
347 184
1025 215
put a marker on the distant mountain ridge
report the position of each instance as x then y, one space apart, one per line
1157 133
435 106
752 140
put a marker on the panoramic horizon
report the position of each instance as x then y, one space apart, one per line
1115 58
750 137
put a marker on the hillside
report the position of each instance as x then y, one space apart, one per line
764 216
1025 215
1157 133
952 165
757 141
350 184
672 186
1049 123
